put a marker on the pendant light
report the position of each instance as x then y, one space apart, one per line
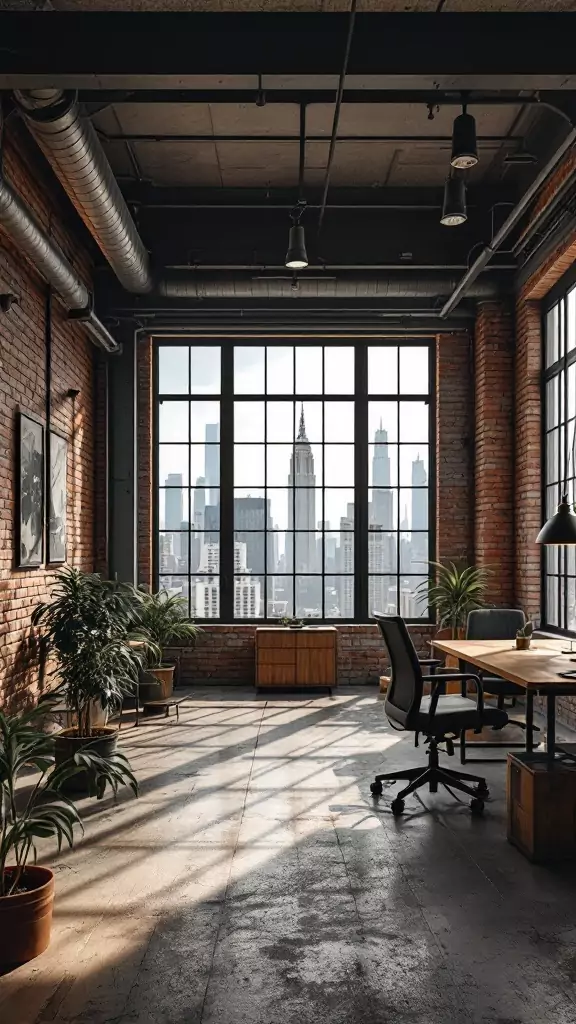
561 527
454 205
296 257
464 146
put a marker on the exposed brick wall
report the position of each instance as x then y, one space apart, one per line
145 460
23 387
494 449
454 432
226 654
528 467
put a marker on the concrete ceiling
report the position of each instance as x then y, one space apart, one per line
306 5
261 163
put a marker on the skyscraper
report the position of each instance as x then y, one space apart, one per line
302 504
253 514
212 461
199 505
419 545
382 502
173 502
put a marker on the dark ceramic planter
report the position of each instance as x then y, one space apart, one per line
67 743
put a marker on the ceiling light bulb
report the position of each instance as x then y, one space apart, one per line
454 205
296 257
464 145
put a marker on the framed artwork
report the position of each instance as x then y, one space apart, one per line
57 497
31 492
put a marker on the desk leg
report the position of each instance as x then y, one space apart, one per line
529 721
551 725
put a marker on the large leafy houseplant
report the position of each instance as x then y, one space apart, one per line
43 811
163 619
87 629
453 592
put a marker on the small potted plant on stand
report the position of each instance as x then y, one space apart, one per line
43 811
523 637
86 628
162 619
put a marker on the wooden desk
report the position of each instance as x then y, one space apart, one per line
537 671
296 657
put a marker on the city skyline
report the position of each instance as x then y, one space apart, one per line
317 551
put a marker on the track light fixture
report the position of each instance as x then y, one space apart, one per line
454 205
464 145
296 257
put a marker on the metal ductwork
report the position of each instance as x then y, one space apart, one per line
23 228
73 149
392 286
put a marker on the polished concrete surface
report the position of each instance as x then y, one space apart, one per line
255 881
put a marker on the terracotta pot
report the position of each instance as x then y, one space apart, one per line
165 676
103 741
523 643
26 918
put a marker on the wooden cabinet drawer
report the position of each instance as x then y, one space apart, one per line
282 656
316 639
275 638
315 667
276 675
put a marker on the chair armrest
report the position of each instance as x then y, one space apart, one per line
439 680
432 662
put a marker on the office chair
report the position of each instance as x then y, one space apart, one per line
493 624
440 718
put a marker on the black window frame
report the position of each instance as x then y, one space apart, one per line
361 398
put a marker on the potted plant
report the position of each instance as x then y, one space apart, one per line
455 591
291 622
43 811
524 636
86 628
162 619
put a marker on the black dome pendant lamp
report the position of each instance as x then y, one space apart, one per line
561 527
296 256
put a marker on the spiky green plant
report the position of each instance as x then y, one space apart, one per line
454 591
87 630
163 619
47 812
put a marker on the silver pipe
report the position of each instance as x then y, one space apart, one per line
20 224
71 146
463 286
401 286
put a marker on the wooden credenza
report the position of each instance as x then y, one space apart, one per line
296 657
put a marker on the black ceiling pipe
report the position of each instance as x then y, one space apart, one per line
463 286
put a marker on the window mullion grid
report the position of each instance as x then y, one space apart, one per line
227 580
361 542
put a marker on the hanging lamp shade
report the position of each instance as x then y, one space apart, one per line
454 205
561 527
464 145
296 257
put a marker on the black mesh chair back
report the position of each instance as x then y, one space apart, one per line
406 685
492 624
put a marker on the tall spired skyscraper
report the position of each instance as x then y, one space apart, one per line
382 514
302 504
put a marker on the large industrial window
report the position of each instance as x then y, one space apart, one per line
294 480
559 597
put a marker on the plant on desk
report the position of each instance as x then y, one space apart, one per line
41 812
524 636
290 622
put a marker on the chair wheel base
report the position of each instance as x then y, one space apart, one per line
397 807
482 791
376 788
477 807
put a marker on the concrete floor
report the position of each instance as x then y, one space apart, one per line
255 882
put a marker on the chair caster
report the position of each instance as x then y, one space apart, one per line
376 788
482 791
397 807
477 807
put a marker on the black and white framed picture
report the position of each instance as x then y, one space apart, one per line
57 497
31 492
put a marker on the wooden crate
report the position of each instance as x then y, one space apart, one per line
296 657
541 798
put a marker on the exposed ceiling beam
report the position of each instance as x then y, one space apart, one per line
445 140
121 44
